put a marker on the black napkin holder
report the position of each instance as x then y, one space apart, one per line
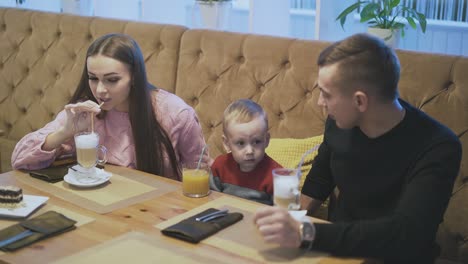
194 231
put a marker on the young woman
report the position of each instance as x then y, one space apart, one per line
143 127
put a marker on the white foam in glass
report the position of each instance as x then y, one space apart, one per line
87 141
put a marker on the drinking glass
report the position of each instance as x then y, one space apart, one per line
195 180
88 150
286 188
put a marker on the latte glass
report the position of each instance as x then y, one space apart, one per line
286 188
88 150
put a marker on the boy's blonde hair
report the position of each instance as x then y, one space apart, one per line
243 111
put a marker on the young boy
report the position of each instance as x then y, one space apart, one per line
246 170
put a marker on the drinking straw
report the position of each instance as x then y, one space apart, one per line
201 156
307 153
92 119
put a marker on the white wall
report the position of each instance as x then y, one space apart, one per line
268 17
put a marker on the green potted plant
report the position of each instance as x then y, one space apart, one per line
386 15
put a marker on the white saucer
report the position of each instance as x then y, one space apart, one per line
24 208
76 178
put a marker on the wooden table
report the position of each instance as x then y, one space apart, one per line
136 220
1 135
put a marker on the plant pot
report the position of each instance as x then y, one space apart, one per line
214 15
390 37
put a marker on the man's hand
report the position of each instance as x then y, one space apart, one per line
277 226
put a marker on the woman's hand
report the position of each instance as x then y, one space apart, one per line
78 117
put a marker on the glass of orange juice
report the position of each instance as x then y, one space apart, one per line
195 180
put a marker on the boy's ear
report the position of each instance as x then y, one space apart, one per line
226 144
267 139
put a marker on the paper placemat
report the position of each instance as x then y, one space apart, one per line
243 238
135 247
121 191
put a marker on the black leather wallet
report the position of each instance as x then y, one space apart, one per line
51 174
40 227
194 231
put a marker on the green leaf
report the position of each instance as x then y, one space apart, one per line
398 25
394 3
411 22
342 16
422 22
369 12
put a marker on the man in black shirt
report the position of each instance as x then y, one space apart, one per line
394 166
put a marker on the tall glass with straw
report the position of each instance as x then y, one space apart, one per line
195 178
286 183
88 151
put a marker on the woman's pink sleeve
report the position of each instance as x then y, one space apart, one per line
28 153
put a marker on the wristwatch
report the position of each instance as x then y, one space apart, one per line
307 231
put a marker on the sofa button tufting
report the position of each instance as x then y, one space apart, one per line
30 30
194 100
286 64
281 115
58 34
3 27
23 110
308 94
241 59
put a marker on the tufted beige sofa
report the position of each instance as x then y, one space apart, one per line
42 55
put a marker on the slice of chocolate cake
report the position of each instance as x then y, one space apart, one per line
11 194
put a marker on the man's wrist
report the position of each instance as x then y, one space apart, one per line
307 233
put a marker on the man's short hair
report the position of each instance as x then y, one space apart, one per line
243 111
364 62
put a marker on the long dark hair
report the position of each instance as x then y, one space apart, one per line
151 141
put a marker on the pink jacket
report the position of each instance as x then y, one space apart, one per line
177 118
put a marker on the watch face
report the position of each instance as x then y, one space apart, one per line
308 231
